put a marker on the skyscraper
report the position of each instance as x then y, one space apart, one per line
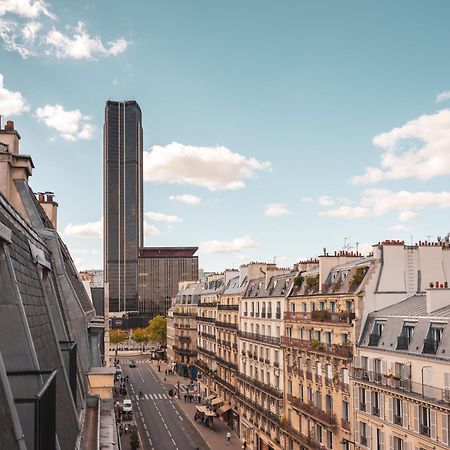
122 203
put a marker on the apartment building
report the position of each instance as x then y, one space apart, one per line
227 359
206 329
402 375
182 327
320 332
261 368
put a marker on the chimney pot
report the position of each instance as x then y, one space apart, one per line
9 125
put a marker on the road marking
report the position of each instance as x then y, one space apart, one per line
146 396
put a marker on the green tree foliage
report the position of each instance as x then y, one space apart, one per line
157 329
141 336
117 336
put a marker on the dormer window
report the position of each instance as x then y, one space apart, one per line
377 330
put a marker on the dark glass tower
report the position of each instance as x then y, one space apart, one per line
122 203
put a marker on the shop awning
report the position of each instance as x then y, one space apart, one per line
210 397
216 401
223 409
210 413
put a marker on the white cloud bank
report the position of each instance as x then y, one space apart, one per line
71 125
160 217
401 228
11 102
186 198
234 246
28 27
276 210
419 149
215 168
378 202
80 45
31 9
95 230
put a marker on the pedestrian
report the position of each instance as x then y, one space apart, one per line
244 445
228 437
185 397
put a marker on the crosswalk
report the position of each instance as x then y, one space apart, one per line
151 397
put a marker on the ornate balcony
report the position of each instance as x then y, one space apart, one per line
304 441
404 385
226 384
184 351
228 307
343 351
260 337
326 418
184 314
260 409
207 335
274 392
206 352
207 305
430 346
184 339
345 424
230 325
343 318
226 363
205 319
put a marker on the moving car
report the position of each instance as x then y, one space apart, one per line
126 406
132 363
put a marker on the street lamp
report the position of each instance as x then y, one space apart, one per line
348 441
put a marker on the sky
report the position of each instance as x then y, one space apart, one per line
272 130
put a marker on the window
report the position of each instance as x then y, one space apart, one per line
376 403
330 439
319 433
333 307
318 402
362 399
398 411
377 331
380 440
425 421
318 335
292 307
328 337
406 335
329 403
363 431
322 306
290 387
300 392
304 307
345 410
398 443
433 339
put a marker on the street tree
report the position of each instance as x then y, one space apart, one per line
157 329
141 336
117 336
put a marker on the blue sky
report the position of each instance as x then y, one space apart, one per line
268 112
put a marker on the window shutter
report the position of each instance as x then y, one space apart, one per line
416 418
369 436
382 397
433 423
356 398
447 387
357 362
357 429
391 442
384 367
381 443
405 413
445 428
369 401
391 409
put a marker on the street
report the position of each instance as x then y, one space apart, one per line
162 425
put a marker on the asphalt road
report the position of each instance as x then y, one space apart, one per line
162 425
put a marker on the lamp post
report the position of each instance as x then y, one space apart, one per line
348 441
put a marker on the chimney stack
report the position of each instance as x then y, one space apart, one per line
46 199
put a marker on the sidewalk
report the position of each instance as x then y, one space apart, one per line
216 438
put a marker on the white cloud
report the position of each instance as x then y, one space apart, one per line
406 216
378 202
90 229
71 125
95 229
160 217
400 228
419 148
80 45
235 246
30 9
215 168
186 198
365 248
325 200
276 210
150 230
443 96
14 40
307 199
30 30
348 212
11 102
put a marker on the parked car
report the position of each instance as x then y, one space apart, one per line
132 363
127 407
